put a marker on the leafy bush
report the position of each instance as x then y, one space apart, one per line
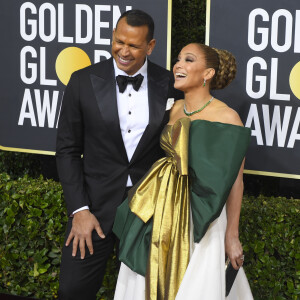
32 225
188 24
18 164
32 222
269 230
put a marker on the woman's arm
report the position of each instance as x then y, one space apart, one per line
233 246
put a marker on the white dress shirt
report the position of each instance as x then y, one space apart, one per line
133 110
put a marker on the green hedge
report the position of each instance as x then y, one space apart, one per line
18 164
32 224
188 24
269 230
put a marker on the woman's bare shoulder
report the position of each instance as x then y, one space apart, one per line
225 114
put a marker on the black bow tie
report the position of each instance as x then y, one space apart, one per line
136 82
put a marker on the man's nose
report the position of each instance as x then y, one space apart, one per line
125 50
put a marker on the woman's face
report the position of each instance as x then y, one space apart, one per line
190 69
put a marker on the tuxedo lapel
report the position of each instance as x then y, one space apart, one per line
157 99
157 94
105 92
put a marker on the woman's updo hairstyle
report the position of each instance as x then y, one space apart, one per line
224 64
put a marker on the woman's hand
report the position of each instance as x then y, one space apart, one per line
234 250
233 246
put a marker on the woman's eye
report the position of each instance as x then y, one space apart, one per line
189 60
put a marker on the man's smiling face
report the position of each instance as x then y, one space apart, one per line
130 46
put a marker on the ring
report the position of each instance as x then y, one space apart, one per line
242 257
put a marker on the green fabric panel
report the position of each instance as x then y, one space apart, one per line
134 236
216 151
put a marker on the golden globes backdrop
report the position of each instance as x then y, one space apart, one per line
264 36
42 43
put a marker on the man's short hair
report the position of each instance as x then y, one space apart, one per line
136 17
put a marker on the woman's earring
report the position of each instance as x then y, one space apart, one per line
204 82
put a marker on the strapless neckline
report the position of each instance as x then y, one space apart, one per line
206 121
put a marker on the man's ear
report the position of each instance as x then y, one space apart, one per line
151 46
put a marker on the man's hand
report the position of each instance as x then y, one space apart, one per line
84 222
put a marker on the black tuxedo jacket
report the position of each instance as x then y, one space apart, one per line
91 158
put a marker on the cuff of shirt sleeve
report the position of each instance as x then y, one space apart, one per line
78 210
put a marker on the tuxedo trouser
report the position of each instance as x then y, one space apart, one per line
80 279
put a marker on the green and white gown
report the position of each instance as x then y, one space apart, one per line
172 226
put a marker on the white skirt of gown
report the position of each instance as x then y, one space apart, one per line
204 278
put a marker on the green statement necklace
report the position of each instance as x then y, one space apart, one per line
198 110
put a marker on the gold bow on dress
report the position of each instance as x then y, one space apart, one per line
163 194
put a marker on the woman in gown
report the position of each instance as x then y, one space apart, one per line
181 220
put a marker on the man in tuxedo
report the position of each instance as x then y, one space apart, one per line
108 136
